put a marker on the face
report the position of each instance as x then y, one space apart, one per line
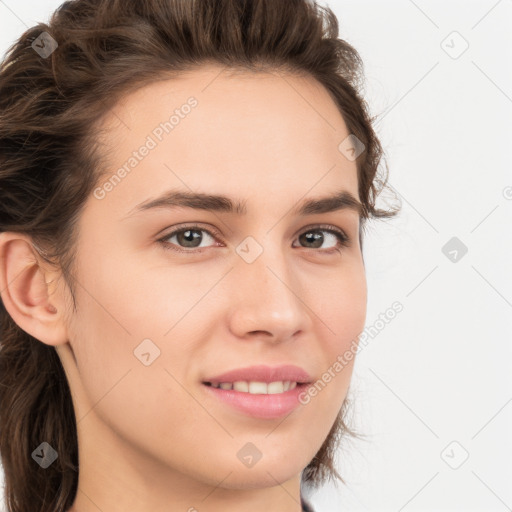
172 296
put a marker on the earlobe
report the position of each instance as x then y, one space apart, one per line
24 290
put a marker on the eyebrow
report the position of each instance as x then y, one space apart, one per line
341 200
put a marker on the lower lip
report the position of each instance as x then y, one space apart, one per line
260 405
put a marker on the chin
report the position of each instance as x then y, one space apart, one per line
263 477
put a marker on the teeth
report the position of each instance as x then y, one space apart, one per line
241 385
275 387
257 388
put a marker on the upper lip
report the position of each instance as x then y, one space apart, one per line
263 373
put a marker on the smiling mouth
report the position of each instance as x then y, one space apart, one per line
257 399
257 388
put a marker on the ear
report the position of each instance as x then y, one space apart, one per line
24 288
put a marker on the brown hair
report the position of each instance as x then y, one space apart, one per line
50 163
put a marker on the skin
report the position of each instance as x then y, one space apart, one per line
150 438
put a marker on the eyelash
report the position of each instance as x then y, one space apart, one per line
344 240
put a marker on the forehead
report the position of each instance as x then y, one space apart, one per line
220 132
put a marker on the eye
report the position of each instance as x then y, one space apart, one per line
189 237
313 236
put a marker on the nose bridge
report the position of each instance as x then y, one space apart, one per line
268 298
266 264
273 279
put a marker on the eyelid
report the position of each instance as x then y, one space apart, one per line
191 225
344 239
213 232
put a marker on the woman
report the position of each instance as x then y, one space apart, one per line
184 190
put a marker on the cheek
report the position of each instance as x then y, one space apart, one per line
341 305
126 394
342 311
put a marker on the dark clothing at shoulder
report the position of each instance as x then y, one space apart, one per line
306 507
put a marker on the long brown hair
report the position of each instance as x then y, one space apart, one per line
56 83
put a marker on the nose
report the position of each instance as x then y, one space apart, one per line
269 300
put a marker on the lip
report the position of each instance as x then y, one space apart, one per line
263 373
264 406
259 406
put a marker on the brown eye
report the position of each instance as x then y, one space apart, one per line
314 238
188 238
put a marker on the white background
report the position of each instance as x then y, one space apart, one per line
440 372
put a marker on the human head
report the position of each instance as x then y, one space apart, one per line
52 112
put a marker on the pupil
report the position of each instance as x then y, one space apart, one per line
312 237
186 235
